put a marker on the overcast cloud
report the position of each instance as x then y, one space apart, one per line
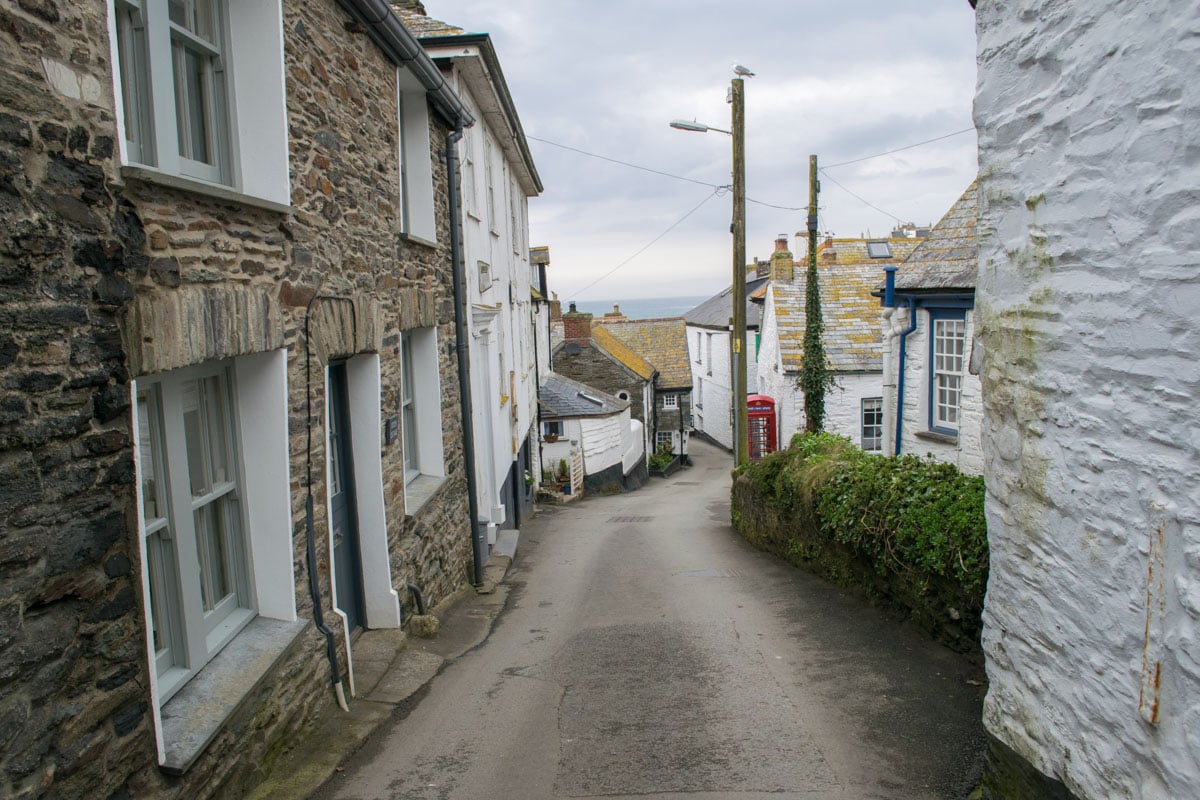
840 80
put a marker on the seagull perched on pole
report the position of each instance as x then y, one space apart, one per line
742 72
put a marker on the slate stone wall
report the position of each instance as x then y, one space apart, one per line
1089 281
594 368
96 273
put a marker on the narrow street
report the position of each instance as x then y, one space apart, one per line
646 650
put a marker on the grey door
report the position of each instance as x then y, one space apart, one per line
346 560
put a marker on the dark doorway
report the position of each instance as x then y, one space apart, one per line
346 561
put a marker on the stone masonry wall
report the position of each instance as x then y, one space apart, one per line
89 262
1089 282
594 368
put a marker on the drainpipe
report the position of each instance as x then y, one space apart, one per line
889 300
461 337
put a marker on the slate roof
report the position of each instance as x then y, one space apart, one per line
716 311
621 352
661 342
853 318
948 258
562 397
421 26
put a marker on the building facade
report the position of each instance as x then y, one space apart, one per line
498 177
932 403
848 271
709 356
1086 298
229 387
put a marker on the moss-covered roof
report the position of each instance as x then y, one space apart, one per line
949 258
621 352
852 316
660 342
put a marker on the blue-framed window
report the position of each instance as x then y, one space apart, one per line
947 367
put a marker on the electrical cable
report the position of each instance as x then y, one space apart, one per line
856 197
658 172
898 149
717 191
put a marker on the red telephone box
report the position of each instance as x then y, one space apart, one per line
761 412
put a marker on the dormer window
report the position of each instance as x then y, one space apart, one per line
879 249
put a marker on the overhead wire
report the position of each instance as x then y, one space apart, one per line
659 172
899 149
863 200
717 191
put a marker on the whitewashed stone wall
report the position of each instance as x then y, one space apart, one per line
843 404
603 441
967 452
1088 294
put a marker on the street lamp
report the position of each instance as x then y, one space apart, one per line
692 125
737 98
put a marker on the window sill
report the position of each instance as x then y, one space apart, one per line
195 715
419 491
934 436
412 238
151 175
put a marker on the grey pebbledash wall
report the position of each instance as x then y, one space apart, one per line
96 269
1089 285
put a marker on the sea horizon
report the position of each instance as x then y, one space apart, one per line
643 307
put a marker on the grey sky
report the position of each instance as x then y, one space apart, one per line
839 79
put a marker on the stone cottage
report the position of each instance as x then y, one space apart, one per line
847 270
229 406
498 178
931 391
661 343
590 354
1089 281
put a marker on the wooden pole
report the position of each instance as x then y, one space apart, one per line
741 420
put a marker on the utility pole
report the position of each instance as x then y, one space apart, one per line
737 97
815 377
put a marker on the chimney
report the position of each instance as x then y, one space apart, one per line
782 265
577 326
555 309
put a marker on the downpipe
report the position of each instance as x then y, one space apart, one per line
889 300
461 338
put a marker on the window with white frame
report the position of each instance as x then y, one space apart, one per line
192 519
184 111
948 343
417 217
670 401
662 438
699 351
708 353
214 512
872 424
420 405
490 168
699 392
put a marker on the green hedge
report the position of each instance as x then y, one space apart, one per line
904 529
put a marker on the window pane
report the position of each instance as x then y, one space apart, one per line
192 104
211 551
161 561
218 432
178 12
193 431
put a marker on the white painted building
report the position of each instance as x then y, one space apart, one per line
497 178
581 424
931 387
1087 298
709 354
848 271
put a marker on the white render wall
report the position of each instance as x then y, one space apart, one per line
967 452
604 441
717 396
843 403
502 353
1088 112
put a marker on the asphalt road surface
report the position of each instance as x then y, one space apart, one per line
646 650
